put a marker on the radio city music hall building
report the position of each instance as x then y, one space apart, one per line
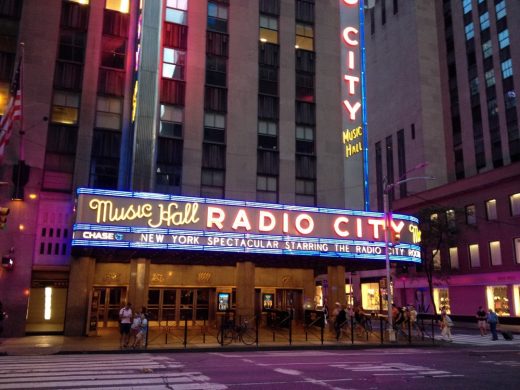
187 156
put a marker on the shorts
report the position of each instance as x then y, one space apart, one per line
482 323
124 328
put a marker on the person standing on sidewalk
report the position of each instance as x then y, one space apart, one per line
125 323
446 325
492 320
481 321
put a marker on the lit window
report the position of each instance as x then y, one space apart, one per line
370 299
122 6
490 78
473 86
304 37
494 252
514 201
517 250
484 21
174 62
474 255
450 217
470 32
466 6
503 38
172 118
454 258
65 108
487 49
47 304
507 68
516 297
436 256
268 29
108 113
491 209
500 9
497 300
471 215
176 11
434 217
441 297
217 17
84 2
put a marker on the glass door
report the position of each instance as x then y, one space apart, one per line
111 300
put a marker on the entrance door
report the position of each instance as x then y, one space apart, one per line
110 299
291 301
172 306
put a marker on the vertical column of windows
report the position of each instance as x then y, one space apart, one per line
62 133
379 175
456 127
506 70
106 142
215 100
268 159
305 104
401 162
168 174
390 166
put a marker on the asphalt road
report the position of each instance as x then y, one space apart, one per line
447 367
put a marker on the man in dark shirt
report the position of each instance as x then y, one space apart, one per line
481 321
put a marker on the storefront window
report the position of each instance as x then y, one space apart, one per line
370 298
498 300
516 294
441 297
349 295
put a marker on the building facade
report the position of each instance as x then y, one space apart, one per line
206 99
444 77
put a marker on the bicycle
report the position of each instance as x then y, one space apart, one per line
241 332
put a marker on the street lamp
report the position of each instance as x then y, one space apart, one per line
387 187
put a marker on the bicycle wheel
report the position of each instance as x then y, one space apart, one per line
248 336
228 337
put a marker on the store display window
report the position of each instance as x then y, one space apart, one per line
497 300
441 297
370 297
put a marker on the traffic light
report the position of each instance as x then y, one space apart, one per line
4 212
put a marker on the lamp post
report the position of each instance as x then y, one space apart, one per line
387 187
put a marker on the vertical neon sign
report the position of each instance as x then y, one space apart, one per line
353 102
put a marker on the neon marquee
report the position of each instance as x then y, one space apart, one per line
146 220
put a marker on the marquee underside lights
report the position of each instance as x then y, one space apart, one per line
145 220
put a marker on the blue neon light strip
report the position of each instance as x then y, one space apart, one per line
239 203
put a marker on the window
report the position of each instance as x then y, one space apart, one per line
503 38
474 255
517 250
441 297
473 86
113 52
494 252
471 214
212 181
268 29
436 257
434 217
267 135
214 127
65 108
514 201
72 46
176 11
466 6
470 33
370 298
491 209
507 69
305 187
484 21
304 37
487 49
174 62
118 5
169 164
172 118
216 71
265 185
304 139
450 218
217 17
490 78
500 9
497 300
108 113
454 257
104 163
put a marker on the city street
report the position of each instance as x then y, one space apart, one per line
445 367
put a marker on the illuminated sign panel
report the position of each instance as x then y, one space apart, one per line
145 220
353 133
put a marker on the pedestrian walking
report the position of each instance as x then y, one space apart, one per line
125 323
492 320
481 321
340 320
446 325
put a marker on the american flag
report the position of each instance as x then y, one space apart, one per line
12 114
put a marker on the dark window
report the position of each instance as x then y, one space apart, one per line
175 35
116 23
459 164
172 91
6 65
305 87
215 99
104 164
270 7
268 80
383 12
61 148
390 165
169 165
269 54
396 6
213 156
305 11
379 176
268 107
305 166
68 76
267 162
216 71
372 21
401 161
305 61
217 44
72 46
73 15
113 52
305 113
111 82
